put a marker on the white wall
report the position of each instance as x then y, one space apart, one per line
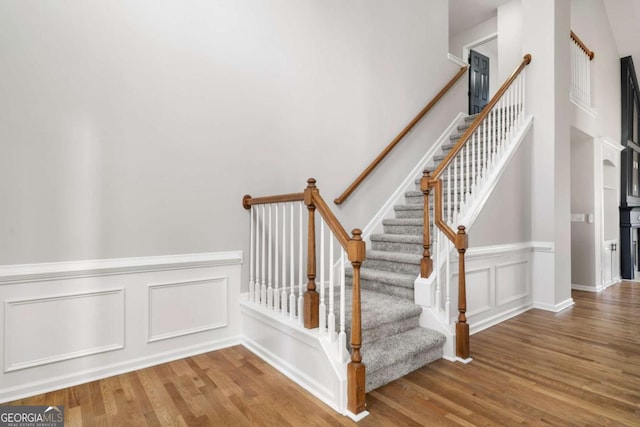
583 236
134 128
459 40
510 22
589 21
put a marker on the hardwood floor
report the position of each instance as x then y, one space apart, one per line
580 367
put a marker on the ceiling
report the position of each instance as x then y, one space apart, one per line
464 14
624 17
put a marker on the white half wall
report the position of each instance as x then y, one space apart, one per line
70 323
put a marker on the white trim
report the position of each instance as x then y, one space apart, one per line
119 345
23 273
465 361
585 288
467 47
545 247
499 250
583 106
497 171
409 181
610 143
554 308
82 377
451 57
498 318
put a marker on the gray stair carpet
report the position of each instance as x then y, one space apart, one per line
393 343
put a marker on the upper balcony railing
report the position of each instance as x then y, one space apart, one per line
581 57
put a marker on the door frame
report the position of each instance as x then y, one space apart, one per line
467 47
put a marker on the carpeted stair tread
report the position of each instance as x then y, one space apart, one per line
402 221
393 256
386 277
382 315
396 238
393 357
392 349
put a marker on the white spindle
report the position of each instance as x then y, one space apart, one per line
342 336
300 269
283 296
474 160
447 303
252 246
270 263
331 317
276 250
438 276
292 252
263 289
323 307
450 196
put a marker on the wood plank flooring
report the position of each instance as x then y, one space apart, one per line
580 367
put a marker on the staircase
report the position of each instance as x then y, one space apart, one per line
394 344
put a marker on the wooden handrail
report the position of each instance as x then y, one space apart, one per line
526 60
248 201
355 248
582 46
398 138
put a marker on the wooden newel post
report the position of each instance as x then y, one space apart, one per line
311 296
356 369
462 327
426 264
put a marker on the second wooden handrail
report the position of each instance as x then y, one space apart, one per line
399 138
583 46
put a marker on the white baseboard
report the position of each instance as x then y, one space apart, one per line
554 308
59 382
586 288
499 318
101 318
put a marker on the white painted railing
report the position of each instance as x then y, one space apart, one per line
459 184
277 269
580 72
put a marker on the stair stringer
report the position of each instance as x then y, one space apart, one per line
440 320
386 211
303 355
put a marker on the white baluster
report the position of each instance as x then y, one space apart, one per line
524 94
342 336
450 197
270 263
300 270
276 278
252 247
323 307
258 286
331 317
447 303
292 295
263 289
438 298
474 161
283 295
468 172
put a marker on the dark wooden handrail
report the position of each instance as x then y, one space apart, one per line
526 60
355 248
398 138
582 46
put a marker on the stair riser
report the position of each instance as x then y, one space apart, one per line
410 213
393 266
383 288
411 363
387 329
410 248
413 230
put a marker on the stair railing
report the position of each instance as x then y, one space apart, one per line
276 273
581 57
365 173
454 184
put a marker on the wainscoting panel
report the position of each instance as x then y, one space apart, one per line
69 323
498 283
183 308
50 329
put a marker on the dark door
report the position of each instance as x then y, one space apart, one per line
478 82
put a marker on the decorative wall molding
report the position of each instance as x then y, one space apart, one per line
68 323
23 273
458 61
35 329
555 308
205 301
